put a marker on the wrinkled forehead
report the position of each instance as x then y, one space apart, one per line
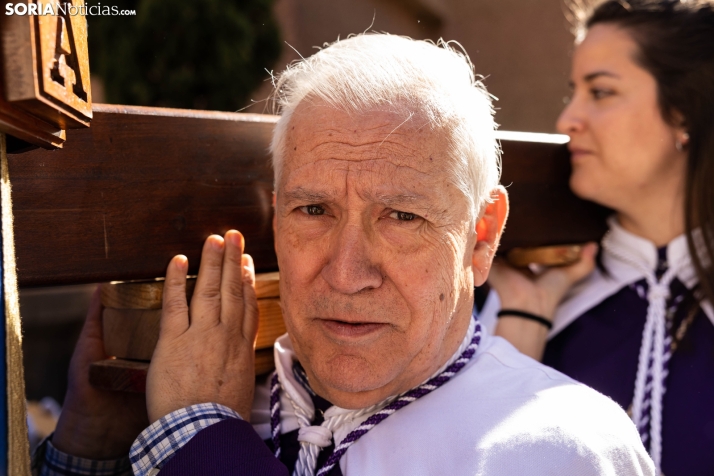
379 150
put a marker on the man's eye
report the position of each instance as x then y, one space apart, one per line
402 216
313 210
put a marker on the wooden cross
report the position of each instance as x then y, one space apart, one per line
121 198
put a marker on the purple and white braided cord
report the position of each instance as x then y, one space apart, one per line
396 404
644 425
655 352
275 413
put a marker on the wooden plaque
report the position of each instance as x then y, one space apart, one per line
46 63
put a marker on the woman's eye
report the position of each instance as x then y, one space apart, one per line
402 216
600 93
313 210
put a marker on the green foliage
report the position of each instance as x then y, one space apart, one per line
205 54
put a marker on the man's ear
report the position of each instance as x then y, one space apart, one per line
488 233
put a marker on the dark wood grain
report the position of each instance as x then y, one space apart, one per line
144 184
119 375
138 187
544 211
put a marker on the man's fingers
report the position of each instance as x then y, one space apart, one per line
174 313
232 281
250 300
90 347
92 328
206 300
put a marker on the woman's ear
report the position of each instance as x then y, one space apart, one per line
488 233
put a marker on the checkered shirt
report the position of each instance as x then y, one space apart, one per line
49 461
158 443
150 451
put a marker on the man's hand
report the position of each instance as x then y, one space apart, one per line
205 353
96 424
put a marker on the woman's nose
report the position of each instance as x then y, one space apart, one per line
571 120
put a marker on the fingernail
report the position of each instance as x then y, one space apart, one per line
217 242
235 238
181 262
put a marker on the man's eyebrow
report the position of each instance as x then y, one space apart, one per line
305 195
392 199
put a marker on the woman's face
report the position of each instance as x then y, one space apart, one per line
623 152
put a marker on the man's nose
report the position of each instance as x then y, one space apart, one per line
351 267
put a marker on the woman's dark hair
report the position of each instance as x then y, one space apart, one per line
676 46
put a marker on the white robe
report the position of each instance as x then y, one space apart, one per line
502 414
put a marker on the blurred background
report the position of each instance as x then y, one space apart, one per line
218 55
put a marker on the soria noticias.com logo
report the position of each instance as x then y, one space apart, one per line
64 9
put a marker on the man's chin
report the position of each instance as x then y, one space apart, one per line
351 382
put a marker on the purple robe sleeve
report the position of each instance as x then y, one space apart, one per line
228 448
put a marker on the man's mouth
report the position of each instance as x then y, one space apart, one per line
346 329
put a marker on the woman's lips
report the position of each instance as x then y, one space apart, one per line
347 329
578 154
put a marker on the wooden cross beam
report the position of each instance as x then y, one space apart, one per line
144 184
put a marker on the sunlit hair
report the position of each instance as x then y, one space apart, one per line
415 79
675 40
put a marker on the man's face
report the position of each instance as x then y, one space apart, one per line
375 245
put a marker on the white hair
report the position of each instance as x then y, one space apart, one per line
414 78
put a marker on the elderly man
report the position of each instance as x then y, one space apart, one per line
387 214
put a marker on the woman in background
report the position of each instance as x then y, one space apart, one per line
638 327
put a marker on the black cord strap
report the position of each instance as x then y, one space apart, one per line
525 315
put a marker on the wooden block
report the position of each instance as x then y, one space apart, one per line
545 255
267 285
271 324
264 361
133 333
130 376
149 295
119 375
144 295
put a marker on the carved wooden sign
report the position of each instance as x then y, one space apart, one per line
45 69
